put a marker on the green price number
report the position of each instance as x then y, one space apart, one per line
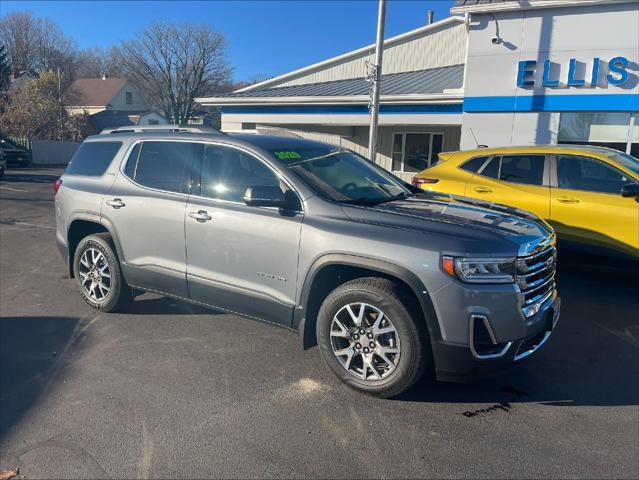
287 155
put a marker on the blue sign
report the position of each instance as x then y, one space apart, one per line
617 73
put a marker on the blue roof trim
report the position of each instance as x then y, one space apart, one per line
621 102
440 108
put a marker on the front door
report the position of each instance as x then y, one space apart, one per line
241 259
587 207
147 205
515 180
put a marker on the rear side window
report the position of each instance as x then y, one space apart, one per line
163 165
526 169
474 164
132 163
492 169
93 158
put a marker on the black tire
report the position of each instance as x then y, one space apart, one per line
383 294
119 293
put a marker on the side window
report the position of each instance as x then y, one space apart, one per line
93 158
227 172
584 173
474 164
132 162
164 165
526 169
491 170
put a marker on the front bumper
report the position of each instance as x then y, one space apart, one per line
460 363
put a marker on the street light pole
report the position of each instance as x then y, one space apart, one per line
377 77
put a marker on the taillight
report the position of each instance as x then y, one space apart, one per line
56 185
419 181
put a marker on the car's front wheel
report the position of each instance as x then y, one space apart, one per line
98 274
372 339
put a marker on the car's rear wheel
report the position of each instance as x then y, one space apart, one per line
372 339
98 274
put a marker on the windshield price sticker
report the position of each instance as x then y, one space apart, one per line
287 155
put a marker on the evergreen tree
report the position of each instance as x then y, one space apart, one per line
5 69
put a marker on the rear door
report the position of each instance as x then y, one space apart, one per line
241 258
147 205
517 180
587 206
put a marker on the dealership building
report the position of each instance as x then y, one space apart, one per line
494 73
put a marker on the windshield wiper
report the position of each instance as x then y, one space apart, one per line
400 196
377 201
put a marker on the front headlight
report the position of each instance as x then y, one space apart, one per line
480 270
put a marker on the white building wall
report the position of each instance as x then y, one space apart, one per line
118 102
603 31
156 117
428 49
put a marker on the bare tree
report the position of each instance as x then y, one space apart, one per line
175 63
19 32
97 61
55 50
36 44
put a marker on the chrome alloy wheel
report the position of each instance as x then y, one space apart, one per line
95 275
365 341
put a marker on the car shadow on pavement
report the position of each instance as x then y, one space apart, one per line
591 359
33 354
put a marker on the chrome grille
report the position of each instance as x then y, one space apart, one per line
536 279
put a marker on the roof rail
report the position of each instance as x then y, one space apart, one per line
160 128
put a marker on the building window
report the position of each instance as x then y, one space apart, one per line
153 121
615 130
129 98
413 152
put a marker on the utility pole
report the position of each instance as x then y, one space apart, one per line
60 114
377 77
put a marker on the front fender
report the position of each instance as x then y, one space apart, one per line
306 326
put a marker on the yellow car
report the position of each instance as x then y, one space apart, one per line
588 194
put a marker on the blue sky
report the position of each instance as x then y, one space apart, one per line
264 37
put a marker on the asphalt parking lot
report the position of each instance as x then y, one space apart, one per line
171 390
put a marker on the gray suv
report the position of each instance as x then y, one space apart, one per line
390 281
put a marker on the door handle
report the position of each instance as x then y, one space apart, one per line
567 199
116 203
483 190
201 216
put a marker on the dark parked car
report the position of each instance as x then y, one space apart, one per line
3 163
15 156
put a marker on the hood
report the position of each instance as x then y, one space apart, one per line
458 216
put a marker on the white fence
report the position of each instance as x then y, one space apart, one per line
52 152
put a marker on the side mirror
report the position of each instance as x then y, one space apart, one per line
263 196
630 190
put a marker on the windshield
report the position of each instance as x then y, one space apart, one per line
627 161
343 176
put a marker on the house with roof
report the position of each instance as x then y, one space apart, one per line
93 95
110 103
494 73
